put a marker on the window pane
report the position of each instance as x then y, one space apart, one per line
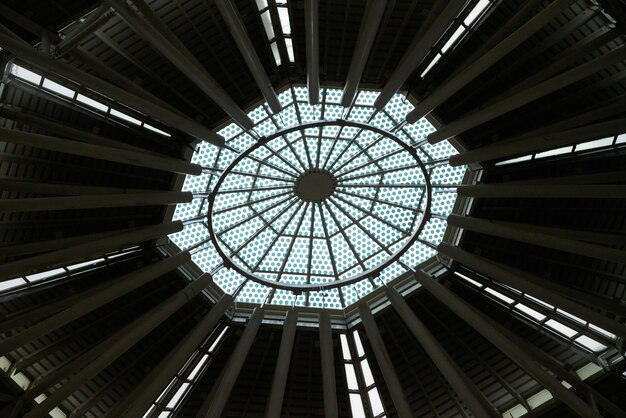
57 88
357 406
377 404
267 24
285 25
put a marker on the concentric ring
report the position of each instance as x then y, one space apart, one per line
307 208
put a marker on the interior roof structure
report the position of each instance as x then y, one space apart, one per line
102 105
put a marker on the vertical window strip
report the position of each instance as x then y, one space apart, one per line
465 26
74 97
365 400
174 394
284 24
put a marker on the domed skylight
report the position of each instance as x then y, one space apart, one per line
319 204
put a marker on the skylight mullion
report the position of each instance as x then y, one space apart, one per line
389 170
386 202
291 243
268 249
251 202
283 159
330 248
373 161
253 216
310 260
267 224
361 152
345 237
373 215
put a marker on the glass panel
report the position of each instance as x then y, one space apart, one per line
267 24
58 88
480 7
357 406
283 15
91 102
375 401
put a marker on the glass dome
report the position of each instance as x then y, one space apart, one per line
318 205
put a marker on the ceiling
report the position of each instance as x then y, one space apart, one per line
559 217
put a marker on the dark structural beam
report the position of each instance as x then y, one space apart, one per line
312 31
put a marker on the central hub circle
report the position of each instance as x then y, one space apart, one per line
315 185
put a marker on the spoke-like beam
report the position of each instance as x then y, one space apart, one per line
311 28
46 63
529 95
530 284
420 48
92 362
156 33
99 152
88 250
508 347
254 215
462 385
384 362
536 141
39 204
104 295
374 11
236 27
498 229
544 191
477 67
235 364
94 21
281 373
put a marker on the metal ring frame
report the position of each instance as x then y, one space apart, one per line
371 273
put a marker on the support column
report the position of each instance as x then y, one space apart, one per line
48 64
141 159
497 229
236 27
136 402
279 382
477 67
93 249
529 95
374 11
421 45
328 367
462 385
104 295
235 363
543 191
311 22
510 349
384 362
114 346
519 280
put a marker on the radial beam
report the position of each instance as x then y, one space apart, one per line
48 64
279 381
462 385
374 11
106 294
536 142
91 363
39 204
328 366
529 95
384 362
543 191
162 39
89 250
136 402
312 32
236 27
498 229
478 66
99 152
530 284
235 364
419 49
95 20
63 189
510 349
